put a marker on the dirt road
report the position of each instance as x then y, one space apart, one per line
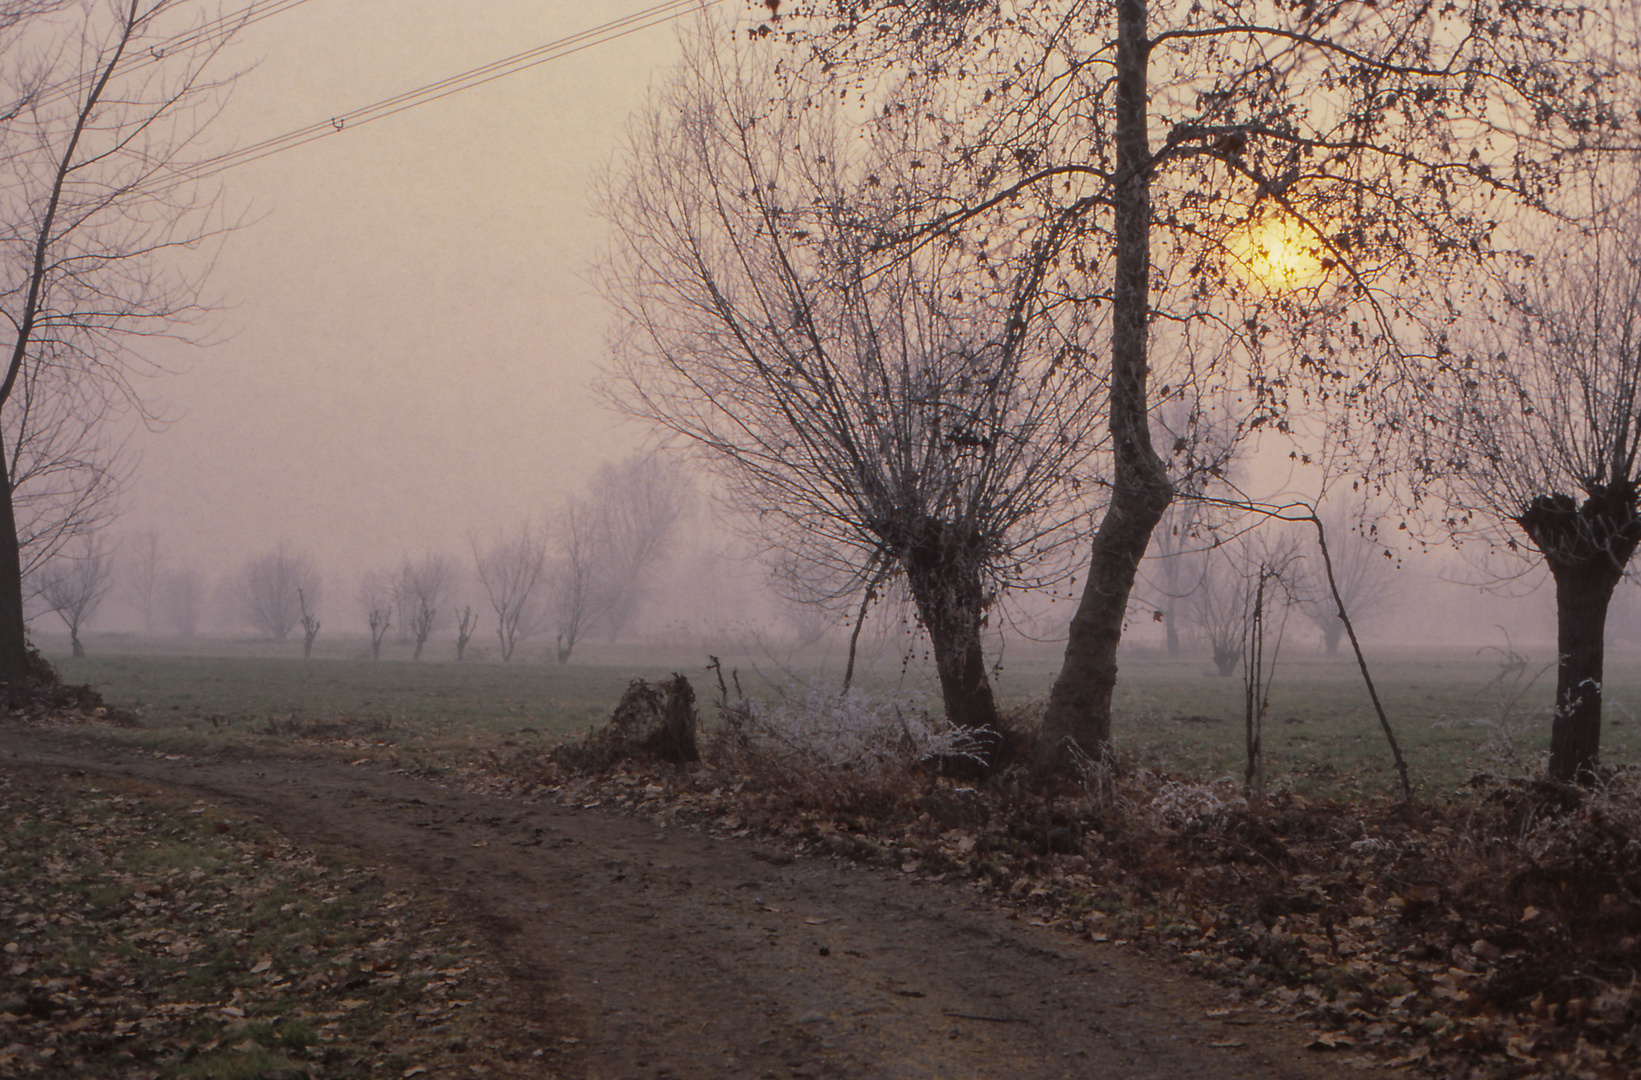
664 952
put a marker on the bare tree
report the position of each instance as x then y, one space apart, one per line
637 503
270 590
1218 605
375 599
73 585
467 621
607 543
579 575
1539 434
1364 571
419 594
1202 442
1235 576
182 600
1317 171
310 624
510 568
144 575
919 411
96 201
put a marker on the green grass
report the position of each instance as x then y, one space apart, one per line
425 697
1452 713
1450 710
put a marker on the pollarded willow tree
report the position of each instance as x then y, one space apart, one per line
102 99
1306 174
277 590
1542 439
878 413
608 543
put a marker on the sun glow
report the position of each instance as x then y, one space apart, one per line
1279 254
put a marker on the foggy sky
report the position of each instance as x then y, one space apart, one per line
407 333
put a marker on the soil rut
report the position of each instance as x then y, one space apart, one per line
670 953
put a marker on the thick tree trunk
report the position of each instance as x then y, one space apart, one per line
77 650
943 574
13 634
1332 631
1583 592
1079 707
1587 548
1171 628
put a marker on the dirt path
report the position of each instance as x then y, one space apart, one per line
664 952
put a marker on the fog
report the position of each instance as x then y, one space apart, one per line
401 353
405 337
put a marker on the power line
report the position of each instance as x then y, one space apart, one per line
213 31
467 80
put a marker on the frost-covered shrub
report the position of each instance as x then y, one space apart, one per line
853 730
1180 802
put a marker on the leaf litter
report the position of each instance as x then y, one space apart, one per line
1493 932
1490 932
144 936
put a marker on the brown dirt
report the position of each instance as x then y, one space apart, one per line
636 950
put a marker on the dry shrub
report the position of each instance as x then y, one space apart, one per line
653 722
850 752
43 698
1554 871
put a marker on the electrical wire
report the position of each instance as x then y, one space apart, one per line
455 84
213 31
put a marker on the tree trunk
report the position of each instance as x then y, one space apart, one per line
1587 548
13 635
1332 630
1171 628
1079 707
1582 594
76 649
943 575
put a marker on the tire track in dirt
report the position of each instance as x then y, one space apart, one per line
670 953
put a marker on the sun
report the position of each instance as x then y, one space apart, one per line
1280 254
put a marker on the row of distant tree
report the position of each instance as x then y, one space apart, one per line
586 569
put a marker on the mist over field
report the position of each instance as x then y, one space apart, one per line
397 368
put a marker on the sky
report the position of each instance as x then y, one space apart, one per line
406 334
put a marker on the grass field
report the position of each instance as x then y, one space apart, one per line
1452 711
